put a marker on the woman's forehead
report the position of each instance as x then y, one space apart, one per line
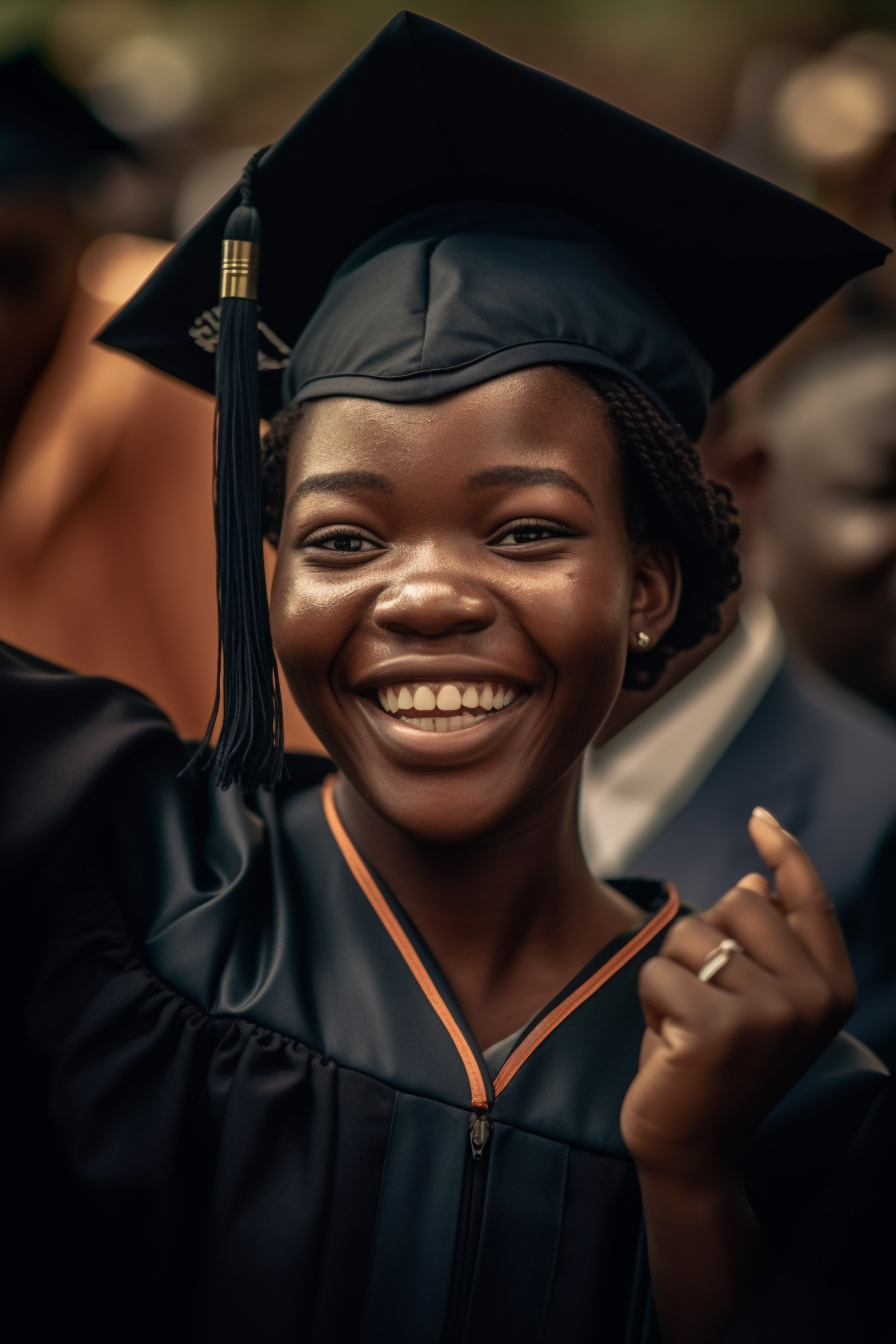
544 412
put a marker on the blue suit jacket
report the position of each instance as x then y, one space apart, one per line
824 763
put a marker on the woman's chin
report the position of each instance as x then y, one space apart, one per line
445 811
463 784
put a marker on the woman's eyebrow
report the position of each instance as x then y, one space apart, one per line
337 482
514 475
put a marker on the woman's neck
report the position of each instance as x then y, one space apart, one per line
510 917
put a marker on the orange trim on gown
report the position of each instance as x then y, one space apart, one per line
533 1039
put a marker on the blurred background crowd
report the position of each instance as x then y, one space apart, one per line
183 90
801 93
123 121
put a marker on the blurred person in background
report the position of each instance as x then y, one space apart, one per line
741 720
104 463
830 428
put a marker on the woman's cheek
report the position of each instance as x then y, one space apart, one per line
584 616
578 617
312 612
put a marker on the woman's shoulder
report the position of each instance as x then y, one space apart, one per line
106 836
73 745
65 738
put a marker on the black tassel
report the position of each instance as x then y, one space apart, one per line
249 752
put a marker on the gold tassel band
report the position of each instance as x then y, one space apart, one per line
239 269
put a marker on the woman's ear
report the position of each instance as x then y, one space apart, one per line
656 592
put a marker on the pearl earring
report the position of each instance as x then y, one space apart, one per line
643 640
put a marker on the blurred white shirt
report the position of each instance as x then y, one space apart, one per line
632 787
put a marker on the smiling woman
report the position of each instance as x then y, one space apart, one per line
381 1059
665 496
444 554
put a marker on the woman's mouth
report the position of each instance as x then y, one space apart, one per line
445 706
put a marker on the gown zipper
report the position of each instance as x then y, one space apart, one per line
469 1226
480 1133
483 1092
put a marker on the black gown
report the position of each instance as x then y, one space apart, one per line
267 1118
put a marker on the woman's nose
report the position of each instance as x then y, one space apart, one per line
432 606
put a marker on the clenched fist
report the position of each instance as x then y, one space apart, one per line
717 1055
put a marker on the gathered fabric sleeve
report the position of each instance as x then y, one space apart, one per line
177 1173
66 738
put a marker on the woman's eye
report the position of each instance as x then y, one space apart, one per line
342 543
526 532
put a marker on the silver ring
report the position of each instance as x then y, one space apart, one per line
717 959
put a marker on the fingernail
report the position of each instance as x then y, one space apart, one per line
764 815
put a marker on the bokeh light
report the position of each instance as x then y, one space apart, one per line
839 107
142 85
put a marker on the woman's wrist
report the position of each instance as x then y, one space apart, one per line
704 1245
687 1198
698 1180
694 1166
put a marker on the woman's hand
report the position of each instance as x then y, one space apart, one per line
717 1056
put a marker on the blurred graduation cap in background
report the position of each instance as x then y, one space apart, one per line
47 134
440 216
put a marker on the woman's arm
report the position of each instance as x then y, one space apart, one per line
704 1248
716 1057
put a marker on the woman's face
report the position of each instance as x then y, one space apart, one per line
456 593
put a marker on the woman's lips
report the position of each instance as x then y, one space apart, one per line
444 706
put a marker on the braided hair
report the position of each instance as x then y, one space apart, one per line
667 499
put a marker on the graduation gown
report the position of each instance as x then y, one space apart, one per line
274 1122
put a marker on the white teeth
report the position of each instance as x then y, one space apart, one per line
428 725
442 724
448 698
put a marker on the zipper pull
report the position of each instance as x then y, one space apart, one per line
480 1133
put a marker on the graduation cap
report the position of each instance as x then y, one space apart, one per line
440 216
46 133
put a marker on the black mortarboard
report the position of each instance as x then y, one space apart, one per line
442 215
46 133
